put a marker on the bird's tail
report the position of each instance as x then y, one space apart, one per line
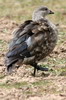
9 62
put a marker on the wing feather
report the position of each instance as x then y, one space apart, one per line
18 48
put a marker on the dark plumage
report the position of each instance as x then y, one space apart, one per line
33 40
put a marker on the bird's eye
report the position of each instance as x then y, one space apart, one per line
46 9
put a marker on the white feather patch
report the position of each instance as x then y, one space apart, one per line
28 41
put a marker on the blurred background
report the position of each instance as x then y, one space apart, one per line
12 14
20 10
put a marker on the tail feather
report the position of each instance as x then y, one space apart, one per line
9 62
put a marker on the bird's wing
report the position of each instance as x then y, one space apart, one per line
27 31
24 41
16 42
19 34
22 28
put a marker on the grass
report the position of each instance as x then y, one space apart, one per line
14 85
2 44
24 84
30 88
41 83
2 76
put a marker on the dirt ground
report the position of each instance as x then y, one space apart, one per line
21 85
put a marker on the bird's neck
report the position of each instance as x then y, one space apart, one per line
37 17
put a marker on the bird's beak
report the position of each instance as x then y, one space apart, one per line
51 12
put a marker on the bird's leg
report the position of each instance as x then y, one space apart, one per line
35 68
34 71
38 67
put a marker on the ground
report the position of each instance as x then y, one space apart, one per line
21 85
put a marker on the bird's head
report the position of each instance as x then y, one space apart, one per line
41 12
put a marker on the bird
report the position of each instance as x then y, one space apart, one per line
33 40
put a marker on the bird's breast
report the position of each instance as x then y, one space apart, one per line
42 44
45 47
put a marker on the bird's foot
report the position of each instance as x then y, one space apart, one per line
39 67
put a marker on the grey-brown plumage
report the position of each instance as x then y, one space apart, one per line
33 40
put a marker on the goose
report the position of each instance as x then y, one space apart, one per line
33 40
